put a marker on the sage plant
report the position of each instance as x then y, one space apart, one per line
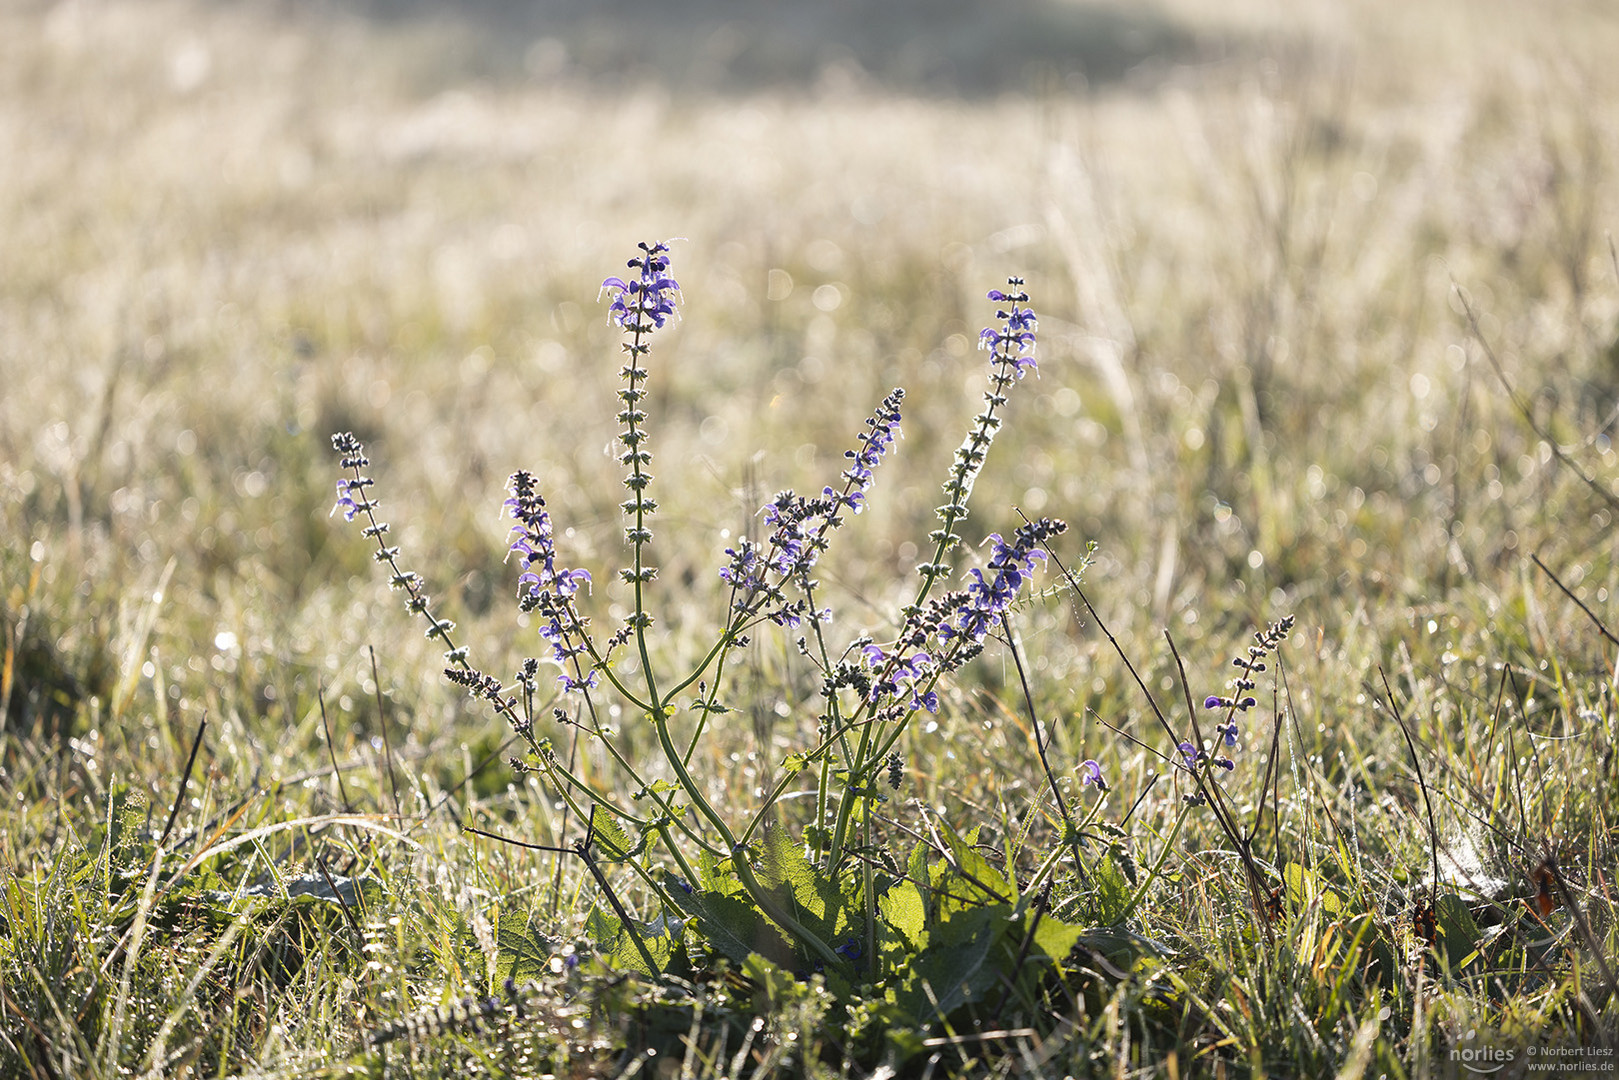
871 691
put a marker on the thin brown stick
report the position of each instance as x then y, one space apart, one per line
354 923
1422 785
1034 719
1601 629
331 751
185 780
1523 406
382 722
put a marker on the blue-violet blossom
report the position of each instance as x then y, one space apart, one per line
647 301
549 590
988 598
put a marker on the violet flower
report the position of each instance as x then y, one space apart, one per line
345 500
799 528
645 302
988 598
1192 755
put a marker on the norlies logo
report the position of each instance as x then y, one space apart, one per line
1481 1060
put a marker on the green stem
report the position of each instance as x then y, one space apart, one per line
1157 867
560 773
845 812
739 856
869 893
661 724
691 875
1032 888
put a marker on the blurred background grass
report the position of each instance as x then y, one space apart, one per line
228 230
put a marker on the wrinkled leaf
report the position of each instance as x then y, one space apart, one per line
617 946
522 953
730 925
1113 891
717 875
904 910
976 877
917 870
811 897
953 972
612 841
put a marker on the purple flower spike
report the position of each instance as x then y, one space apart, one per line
1013 341
644 303
800 527
547 590
1090 772
745 571
884 425
1011 352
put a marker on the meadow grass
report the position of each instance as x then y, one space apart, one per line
1329 328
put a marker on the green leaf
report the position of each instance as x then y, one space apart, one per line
953 972
810 896
1113 891
1304 887
980 878
611 839
904 910
730 924
917 869
1054 938
617 944
522 953
901 926
1459 929
718 875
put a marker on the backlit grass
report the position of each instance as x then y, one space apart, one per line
229 231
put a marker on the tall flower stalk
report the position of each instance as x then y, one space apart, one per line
924 649
641 304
